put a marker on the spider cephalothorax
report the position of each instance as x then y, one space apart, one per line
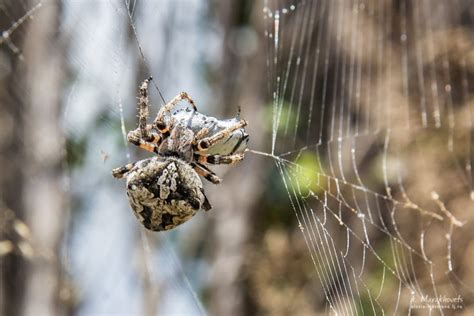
165 191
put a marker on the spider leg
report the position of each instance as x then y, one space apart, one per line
151 146
121 171
144 105
206 173
205 143
159 121
156 138
200 135
218 159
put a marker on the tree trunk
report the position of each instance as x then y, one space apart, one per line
33 188
241 84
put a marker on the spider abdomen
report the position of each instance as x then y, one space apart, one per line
164 192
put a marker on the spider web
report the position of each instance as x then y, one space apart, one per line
359 91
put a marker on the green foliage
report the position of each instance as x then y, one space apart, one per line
306 174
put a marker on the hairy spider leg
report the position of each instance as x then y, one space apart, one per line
143 113
205 143
159 121
218 159
151 146
121 171
200 135
156 137
146 131
205 172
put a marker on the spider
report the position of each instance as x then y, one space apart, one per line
165 191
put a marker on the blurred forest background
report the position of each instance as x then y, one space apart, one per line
357 196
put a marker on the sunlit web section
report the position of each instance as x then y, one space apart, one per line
372 134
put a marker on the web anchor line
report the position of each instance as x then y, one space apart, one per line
140 49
